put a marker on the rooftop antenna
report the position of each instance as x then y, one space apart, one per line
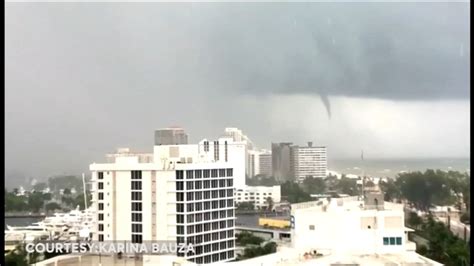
84 186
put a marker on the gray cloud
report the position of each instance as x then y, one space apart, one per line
83 78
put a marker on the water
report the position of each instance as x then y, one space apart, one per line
391 167
23 221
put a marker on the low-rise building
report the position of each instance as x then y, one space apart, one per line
258 195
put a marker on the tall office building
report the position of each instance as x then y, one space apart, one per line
309 161
265 163
179 193
281 157
171 136
260 163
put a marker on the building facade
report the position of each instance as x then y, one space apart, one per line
309 161
258 195
281 161
171 136
175 194
265 163
372 226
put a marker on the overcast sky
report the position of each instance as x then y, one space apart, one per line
83 79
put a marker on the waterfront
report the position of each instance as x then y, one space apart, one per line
21 221
391 167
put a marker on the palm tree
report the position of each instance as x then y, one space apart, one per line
269 202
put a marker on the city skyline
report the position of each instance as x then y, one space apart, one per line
83 87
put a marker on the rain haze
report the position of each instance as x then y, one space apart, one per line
85 78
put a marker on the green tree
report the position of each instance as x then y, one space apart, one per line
67 192
347 186
294 193
17 257
35 201
246 206
40 186
270 203
314 185
52 206
414 220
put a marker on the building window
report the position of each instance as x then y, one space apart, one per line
179 185
206 173
136 217
136 195
189 185
136 174
216 150
101 196
101 206
230 172
225 150
214 173
101 237
136 238
197 173
189 174
398 240
136 185
222 172
311 227
101 185
136 206
392 241
179 174
136 228
198 184
101 227
101 216
100 175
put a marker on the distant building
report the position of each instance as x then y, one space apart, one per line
309 161
281 165
260 163
171 136
238 136
258 195
265 163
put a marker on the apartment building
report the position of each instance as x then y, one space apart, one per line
308 161
179 193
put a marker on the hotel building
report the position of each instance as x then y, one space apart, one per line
182 193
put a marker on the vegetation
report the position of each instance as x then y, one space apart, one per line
246 206
439 188
294 193
245 238
252 252
36 200
254 246
313 185
443 246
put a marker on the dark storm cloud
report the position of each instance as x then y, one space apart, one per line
82 78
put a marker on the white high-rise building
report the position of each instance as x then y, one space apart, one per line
260 163
237 136
179 193
309 161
